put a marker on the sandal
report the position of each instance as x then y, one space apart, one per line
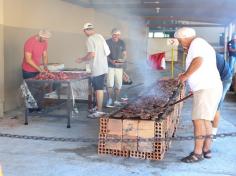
207 154
192 158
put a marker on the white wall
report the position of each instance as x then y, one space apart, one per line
209 33
157 45
24 18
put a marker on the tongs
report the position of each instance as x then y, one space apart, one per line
182 99
179 85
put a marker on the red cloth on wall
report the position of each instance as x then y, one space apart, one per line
156 59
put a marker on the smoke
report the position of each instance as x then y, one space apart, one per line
135 34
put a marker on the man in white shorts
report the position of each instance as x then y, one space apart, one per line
204 80
116 61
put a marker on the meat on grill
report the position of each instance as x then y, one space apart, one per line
154 105
60 75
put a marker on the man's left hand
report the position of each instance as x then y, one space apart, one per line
45 68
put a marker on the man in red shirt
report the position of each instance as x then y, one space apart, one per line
35 54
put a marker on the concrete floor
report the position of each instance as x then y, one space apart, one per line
20 157
42 158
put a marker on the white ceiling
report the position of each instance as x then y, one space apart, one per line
172 13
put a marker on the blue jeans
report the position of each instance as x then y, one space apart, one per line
232 61
27 75
226 85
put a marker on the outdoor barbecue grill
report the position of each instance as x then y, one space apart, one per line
56 91
154 105
144 127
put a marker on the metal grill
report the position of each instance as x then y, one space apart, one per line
51 96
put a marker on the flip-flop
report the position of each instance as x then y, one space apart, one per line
192 158
207 154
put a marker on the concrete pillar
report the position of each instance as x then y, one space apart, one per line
1 59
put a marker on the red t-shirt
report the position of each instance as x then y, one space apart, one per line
36 48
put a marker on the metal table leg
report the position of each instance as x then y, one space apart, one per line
69 105
26 115
90 95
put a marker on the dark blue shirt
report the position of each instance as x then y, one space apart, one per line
223 67
117 49
231 44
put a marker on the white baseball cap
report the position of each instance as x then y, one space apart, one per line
185 32
44 33
88 26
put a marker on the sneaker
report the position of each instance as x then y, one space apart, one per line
117 103
109 103
92 110
124 98
76 110
96 115
38 110
100 113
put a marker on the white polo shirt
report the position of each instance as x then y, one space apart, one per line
207 76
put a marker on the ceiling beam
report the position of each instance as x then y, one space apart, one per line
184 18
182 25
176 4
210 11
190 4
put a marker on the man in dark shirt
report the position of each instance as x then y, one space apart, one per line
226 78
232 52
116 61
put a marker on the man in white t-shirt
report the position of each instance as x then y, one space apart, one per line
204 81
97 52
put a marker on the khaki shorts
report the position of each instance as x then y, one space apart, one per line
115 78
205 103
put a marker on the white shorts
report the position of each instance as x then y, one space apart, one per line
115 78
205 103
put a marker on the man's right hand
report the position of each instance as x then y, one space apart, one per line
112 62
40 69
